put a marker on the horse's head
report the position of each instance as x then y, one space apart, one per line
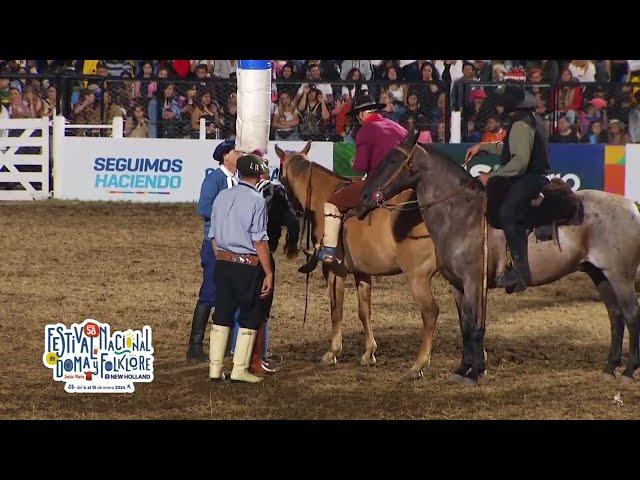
398 172
286 156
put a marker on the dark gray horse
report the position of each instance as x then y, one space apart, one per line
605 245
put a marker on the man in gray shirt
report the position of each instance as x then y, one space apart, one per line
244 277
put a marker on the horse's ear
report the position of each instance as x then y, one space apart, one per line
412 137
280 152
306 148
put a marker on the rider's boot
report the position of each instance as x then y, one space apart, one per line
328 254
516 277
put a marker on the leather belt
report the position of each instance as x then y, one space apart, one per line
243 259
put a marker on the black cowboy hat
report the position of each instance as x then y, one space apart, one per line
365 102
514 97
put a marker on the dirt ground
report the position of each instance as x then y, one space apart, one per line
131 265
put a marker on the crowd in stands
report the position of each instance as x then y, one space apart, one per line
589 101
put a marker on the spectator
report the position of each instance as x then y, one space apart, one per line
473 135
634 120
313 114
125 93
19 107
483 70
534 76
569 96
394 85
208 65
145 79
458 93
620 107
286 118
594 134
287 74
583 70
414 115
565 132
5 96
493 131
87 111
188 104
165 105
617 133
224 68
474 111
111 108
230 115
441 137
449 70
498 71
594 110
340 113
208 110
428 94
363 66
349 91
50 103
137 126
34 103
116 67
315 79
392 110
201 72
163 74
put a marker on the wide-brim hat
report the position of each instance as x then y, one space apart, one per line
364 102
514 97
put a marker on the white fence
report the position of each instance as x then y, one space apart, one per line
24 159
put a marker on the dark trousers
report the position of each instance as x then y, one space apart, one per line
239 287
208 261
514 207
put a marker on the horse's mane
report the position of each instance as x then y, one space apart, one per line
453 167
299 168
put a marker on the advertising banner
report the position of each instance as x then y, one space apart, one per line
632 172
148 170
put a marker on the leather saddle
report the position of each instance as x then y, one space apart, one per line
557 205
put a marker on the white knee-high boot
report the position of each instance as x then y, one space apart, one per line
242 356
332 223
217 347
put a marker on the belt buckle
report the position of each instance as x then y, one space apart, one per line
242 259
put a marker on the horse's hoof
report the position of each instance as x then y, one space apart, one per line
413 374
368 360
607 377
626 378
471 382
328 359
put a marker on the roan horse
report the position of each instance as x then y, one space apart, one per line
606 245
383 243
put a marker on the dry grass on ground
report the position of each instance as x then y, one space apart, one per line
131 265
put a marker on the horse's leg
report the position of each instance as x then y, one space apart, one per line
465 363
423 296
336 297
615 317
472 334
625 293
363 284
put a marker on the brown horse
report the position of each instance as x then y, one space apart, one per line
606 245
383 243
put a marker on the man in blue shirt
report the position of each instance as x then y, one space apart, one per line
243 276
214 182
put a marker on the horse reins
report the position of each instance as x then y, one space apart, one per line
406 164
306 226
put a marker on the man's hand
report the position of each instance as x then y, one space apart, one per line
267 287
472 152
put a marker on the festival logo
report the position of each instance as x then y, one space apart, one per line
90 358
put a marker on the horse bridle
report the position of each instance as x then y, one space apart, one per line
407 164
